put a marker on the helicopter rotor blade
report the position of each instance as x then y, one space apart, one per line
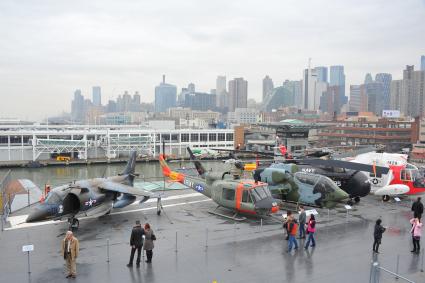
201 170
347 165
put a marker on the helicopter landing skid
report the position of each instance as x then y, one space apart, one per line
234 217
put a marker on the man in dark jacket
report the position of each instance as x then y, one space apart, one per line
417 208
377 235
136 243
302 220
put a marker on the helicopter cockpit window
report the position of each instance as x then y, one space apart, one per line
325 186
338 170
52 198
228 194
406 175
246 197
419 179
308 179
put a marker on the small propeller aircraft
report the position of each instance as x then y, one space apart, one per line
93 197
239 195
288 185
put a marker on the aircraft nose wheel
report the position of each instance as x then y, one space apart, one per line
385 198
350 202
357 199
73 224
158 206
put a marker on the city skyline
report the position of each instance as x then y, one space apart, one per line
49 51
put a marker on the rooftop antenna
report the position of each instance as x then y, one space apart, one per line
163 79
309 63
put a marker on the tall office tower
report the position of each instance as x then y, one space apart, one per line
96 96
337 78
165 96
423 63
368 78
126 101
309 89
385 79
322 74
238 94
413 92
191 87
221 91
295 88
358 99
329 101
396 93
375 97
267 87
77 107
135 103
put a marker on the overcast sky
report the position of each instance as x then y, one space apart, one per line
50 48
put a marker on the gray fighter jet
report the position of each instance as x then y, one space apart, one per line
92 197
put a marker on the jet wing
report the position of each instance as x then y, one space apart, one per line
124 189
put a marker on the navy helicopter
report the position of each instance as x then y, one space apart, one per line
92 197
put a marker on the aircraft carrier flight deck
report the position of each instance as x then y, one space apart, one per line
195 246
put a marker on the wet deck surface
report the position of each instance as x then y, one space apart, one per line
232 252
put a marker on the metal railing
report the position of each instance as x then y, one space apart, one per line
376 268
4 199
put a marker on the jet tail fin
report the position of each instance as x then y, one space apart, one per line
130 168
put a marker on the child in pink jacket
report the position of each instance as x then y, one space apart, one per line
416 234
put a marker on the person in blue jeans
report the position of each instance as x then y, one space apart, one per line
311 228
292 232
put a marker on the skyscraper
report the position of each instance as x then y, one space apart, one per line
375 97
322 74
295 88
165 96
337 78
221 91
412 98
238 94
96 96
368 78
423 63
358 99
329 101
309 89
396 93
267 87
385 80
77 107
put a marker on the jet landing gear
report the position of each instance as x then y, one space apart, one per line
73 224
385 198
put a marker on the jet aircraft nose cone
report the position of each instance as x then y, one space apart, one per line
37 214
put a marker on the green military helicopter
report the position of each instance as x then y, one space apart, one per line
287 184
243 196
